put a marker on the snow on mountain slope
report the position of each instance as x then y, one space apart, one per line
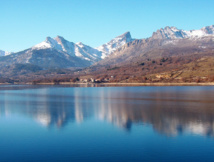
79 49
174 33
53 51
83 51
4 53
114 44
48 43
58 52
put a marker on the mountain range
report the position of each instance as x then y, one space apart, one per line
168 55
168 41
123 51
60 53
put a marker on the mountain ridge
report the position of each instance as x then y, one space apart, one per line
114 44
5 53
52 52
175 33
123 51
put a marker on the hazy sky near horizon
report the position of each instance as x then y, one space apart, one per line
24 23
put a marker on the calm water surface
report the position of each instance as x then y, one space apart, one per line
106 123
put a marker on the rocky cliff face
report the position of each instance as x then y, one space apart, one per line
114 44
174 33
4 53
166 42
78 50
60 53
122 50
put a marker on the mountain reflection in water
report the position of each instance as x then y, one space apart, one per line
169 110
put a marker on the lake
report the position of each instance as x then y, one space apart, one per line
57 123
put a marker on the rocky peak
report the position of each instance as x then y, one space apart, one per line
208 29
51 41
169 33
62 42
59 39
80 44
5 53
114 44
174 33
126 35
48 43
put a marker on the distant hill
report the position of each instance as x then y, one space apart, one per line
168 50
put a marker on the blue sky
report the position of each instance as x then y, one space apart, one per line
24 23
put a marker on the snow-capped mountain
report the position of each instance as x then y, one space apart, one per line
174 33
114 44
166 42
73 49
60 53
4 53
83 51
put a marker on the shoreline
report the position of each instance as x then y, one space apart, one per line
131 84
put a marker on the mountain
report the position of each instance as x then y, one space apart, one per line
60 53
4 53
174 33
79 50
168 38
114 44
168 49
